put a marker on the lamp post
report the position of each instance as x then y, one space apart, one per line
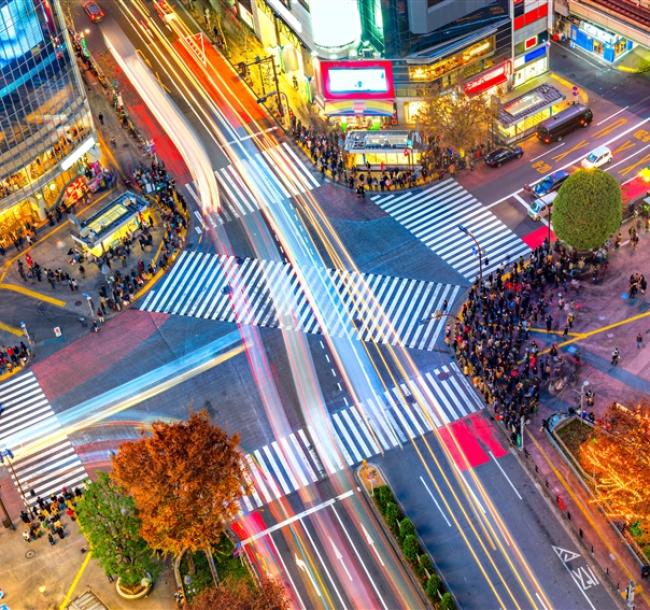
550 212
466 231
8 454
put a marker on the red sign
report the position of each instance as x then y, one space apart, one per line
357 80
531 16
488 79
530 42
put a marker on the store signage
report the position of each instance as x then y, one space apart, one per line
359 80
530 42
531 16
488 79
281 9
598 33
536 54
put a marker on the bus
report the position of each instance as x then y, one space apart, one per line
555 128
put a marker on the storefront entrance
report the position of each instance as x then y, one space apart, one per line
603 44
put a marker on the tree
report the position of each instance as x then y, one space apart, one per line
238 595
587 210
186 479
447 602
109 520
460 121
411 548
618 457
432 588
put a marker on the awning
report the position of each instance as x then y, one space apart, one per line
359 107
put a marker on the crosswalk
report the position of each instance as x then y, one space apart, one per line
28 416
246 190
433 214
371 307
361 432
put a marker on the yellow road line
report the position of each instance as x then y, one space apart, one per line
609 128
626 170
33 294
627 144
68 596
567 152
11 329
553 332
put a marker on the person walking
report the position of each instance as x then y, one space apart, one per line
639 341
616 357
100 116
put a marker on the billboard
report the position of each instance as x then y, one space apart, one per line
357 80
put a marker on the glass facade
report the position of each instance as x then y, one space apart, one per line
44 114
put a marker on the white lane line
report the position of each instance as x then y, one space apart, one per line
540 601
462 476
252 135
286 571
624 159
503 472
200 218
611 116
435 501
522 201
550 150
356 552
575 580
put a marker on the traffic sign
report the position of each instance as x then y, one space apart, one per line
57 331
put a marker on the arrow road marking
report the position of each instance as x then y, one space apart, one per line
371 542
303 566
340 558
564 555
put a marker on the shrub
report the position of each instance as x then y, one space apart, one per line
392 515
432 588
411 548
587 210
447 602
383 495
427 564
406 528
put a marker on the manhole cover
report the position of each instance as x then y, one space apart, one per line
29 554
77 303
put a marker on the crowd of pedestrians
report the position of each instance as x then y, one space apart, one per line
491 336
13 356
45 517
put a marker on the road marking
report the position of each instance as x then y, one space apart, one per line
33 294
200 218
575 147
624 159
632 167
548 151
12 329
503 472
286 571
540 601
340 558
75 582
627 144
611 116
561 553
615 125
303 566
297 517
435 501
521 200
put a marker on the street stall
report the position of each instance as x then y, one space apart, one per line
518 117
383 149
106 228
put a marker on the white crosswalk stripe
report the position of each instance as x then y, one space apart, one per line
28 416
371 307
433 214
439 397
289 177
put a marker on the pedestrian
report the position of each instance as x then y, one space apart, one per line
27 536
60 533
639 341
50 538
100 315
24 517
616 357
100 116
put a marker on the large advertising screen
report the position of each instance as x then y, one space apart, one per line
359 80
20 30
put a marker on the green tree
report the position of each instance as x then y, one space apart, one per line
460 121
406 528
432 588
411 548
109 520
447 602
392 515
587 210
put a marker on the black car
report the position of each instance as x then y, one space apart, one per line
501 155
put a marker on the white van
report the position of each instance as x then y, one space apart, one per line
597 157
538 206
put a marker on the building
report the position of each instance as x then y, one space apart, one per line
606 29
45 123
371 62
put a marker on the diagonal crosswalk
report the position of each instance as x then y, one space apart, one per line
433 214
374 308
291 177
28 416
361 432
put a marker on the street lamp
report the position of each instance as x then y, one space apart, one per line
8 454
464 229
550 210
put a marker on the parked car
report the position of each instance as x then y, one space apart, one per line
93 10
503 154
552 182
597 158
540 204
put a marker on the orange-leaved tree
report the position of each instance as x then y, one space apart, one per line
186 479
238 595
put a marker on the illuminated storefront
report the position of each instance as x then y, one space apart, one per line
520 116
593 39
488 81
108 226
400 149
358 92
46 131
532 64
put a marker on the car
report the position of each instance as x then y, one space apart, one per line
597 158
93 10
540 204
503 154
548 184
